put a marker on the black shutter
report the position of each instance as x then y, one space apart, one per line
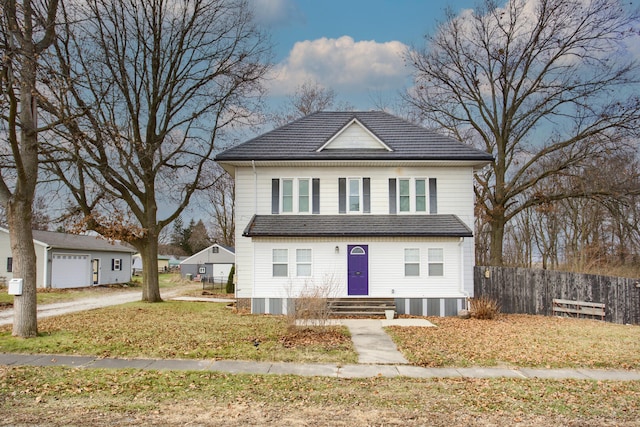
433 196
315 201
342 195
392 195
366 195
113 264
10 265
275 196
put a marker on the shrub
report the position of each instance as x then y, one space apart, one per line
484 308
311 305
231 288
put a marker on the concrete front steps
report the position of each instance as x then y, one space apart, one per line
361 307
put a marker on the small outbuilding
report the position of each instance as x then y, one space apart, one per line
72 260
212 264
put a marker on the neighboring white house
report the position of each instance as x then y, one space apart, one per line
358 204
214 263
71 260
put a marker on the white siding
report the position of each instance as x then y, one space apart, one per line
5 252
253 196
386 268
354 136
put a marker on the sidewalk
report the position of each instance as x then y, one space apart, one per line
377 354
311 370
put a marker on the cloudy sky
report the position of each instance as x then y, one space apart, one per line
354 47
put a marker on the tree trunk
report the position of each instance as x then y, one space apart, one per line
496 232
20 208
149 255
25 323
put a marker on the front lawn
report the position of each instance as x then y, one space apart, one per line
521 341
183 330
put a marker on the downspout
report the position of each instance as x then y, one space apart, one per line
255 187
253 248
462 290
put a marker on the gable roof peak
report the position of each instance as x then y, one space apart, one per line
354 136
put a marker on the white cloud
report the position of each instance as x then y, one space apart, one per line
274 13
342 64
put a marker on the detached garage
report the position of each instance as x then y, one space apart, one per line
71 260
213 263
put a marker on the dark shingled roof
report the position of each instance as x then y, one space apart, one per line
356 226
80 242
300 139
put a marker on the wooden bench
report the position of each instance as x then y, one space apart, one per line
577 308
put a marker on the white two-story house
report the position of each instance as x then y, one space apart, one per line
354 204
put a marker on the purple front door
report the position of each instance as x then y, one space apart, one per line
358 269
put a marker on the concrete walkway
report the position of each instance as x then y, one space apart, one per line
309 369
373 344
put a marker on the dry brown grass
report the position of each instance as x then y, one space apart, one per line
521 341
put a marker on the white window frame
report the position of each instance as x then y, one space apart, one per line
279 262
360 195
433 261
304 263
295 196
413 195
309 182
411 261
117 264
292 196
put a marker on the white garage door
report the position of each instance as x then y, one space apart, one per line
221 271
70 271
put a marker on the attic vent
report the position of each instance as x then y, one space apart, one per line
215 249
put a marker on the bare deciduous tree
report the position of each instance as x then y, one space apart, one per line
143 91
542 85
28 30
309 97
219 203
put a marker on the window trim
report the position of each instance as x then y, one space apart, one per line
116 264
279 263
412 196
312 198
344 195
304 263
415 262
430 262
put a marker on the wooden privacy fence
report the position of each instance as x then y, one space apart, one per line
531 291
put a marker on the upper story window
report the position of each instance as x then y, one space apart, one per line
354 195
413 195
295 195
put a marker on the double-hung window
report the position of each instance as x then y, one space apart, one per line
287 195
295 195
354 195
416 195
280 262
412 262
304 194
436 262
303 262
